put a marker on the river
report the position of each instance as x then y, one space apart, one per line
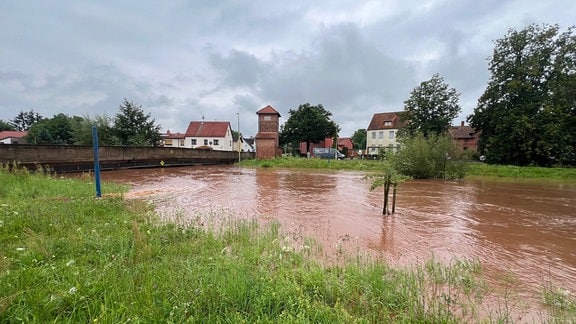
523 232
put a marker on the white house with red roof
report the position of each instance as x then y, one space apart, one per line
212 135
173 139
12 137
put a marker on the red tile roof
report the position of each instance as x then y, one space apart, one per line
268 110
170 135
207 129
12 134
462 131
379 121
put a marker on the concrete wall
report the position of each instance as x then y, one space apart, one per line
81 158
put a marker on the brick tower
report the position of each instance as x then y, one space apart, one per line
267 139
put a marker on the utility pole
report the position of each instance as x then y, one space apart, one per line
239 139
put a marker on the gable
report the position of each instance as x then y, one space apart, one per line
207 129
268 110
387 120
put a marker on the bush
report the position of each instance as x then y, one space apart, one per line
429 157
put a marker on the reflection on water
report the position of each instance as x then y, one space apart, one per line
524 229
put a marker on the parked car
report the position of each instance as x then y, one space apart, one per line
327 153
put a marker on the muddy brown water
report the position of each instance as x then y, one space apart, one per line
522 232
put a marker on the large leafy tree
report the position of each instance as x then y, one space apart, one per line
431 108
527 114
133 127
55 130
310 124
6 126
25 119
359 139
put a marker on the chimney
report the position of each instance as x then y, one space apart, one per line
462 124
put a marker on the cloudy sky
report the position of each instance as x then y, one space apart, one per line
185 59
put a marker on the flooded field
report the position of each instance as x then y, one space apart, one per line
522 232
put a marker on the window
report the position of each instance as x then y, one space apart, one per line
181 142
267 118
391 135
216 142
381 134
193 141
168 142
373 135
205 142
388 123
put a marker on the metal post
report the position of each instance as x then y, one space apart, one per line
239 147
96 161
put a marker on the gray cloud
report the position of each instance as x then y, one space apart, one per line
182 59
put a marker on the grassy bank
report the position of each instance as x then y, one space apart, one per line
314 163
510 171
473 169
66 256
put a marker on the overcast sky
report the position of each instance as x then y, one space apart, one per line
185 59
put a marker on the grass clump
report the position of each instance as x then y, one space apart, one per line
68 256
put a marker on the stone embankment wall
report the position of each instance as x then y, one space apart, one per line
66 158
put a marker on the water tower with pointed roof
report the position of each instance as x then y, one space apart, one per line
267 139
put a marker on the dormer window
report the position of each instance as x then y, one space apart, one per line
387 123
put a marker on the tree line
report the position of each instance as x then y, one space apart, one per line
130 126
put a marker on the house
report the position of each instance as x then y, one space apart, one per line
344 145
267 138
173 139
465 137
12 137
246 144
382 131
213 135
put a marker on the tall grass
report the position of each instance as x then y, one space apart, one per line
66 256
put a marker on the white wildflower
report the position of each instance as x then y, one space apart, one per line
69 263
72 290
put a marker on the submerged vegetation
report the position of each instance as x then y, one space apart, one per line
68 256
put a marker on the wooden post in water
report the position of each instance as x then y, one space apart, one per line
394 199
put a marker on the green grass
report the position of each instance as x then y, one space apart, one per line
472 169
66 256
509 171
315 163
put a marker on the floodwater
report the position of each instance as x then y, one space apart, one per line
522 232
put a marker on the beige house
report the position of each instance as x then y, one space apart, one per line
382 132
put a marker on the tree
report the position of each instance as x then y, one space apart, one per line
435 156
103 123
55 130
388 177
359 139
133 127
6 126
25 119
431 108
527 114
310 124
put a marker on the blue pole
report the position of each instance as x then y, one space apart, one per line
96 161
